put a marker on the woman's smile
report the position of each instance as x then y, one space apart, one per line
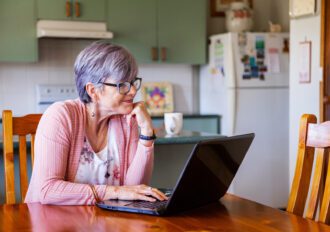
129 101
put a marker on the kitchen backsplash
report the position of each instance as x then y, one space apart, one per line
18 81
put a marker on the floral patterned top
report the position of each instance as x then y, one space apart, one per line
99 168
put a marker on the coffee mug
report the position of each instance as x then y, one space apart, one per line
173 123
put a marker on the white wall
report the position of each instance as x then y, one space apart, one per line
304 98
18 81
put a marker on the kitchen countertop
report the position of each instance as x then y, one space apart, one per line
185 137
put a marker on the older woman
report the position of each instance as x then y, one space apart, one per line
99 146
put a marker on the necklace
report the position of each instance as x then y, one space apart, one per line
107 164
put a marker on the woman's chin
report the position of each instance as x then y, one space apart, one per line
126 110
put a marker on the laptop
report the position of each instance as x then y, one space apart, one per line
205 178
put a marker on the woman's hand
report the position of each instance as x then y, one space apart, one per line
143 120
134 192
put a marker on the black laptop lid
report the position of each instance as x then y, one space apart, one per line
209 172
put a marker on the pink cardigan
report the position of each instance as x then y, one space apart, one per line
59 140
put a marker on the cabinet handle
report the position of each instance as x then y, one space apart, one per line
154 53
68 8
163 53
77 8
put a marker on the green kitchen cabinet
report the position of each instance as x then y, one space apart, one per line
89 10
18 42
160 31
182 31
134 26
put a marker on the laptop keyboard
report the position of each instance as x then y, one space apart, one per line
147 204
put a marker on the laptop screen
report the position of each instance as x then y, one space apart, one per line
206 177
209 171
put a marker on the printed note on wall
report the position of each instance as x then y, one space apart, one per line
305 62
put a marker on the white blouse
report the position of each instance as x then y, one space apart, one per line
101 167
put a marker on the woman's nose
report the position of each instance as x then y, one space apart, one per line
133 90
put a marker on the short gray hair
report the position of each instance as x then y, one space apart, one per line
102 60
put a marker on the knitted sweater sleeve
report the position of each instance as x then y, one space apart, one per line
53 145
141 162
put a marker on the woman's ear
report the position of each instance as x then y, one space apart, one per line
91 91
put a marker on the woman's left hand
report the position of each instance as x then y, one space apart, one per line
143 118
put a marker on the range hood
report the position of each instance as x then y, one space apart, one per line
72 29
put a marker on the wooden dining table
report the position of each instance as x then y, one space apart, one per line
231 213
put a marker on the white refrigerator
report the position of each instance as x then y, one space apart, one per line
247 83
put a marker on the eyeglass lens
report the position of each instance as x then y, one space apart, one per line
126 86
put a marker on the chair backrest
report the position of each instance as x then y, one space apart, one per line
21 126
313 137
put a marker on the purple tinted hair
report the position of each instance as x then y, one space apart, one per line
102 60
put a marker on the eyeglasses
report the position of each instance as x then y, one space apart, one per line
125 87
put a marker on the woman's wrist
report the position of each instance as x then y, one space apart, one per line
147 131
147 136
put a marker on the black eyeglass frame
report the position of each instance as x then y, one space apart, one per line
123 83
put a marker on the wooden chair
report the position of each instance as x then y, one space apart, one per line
21 126
312 137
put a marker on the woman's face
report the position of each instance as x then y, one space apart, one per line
111 101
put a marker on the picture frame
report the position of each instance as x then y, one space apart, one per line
219 7
304 72
300 8
158 97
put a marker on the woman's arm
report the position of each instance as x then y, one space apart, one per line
52 149
141 165
54 189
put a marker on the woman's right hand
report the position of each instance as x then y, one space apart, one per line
134 192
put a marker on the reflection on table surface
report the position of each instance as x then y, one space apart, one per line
230 214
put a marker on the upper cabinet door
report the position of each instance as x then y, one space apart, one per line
182 31
18 42
89 10
134 26
81 10
53 9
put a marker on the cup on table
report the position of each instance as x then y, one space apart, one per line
173 123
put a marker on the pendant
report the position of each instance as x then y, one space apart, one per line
107 175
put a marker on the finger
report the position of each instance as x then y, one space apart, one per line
139 103
154 193
160 193
132 113
131 194
144 198
135 105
